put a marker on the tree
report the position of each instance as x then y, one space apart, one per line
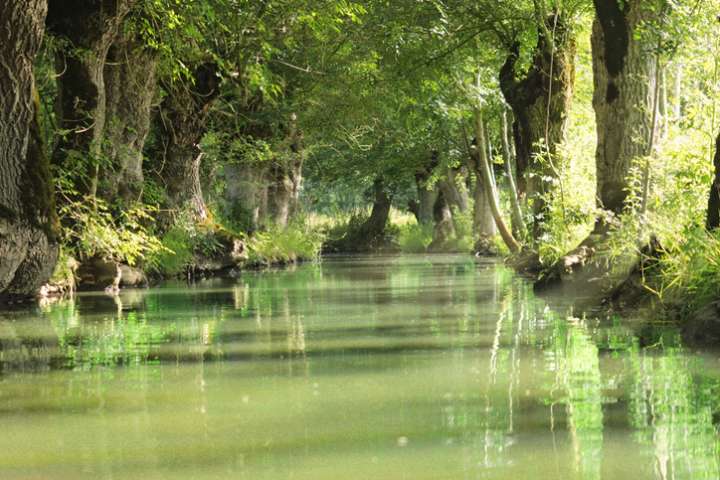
28 226
540 102
89 27
130 77
624 77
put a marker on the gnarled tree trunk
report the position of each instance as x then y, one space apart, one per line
540 101
28 246
90 26
130 85
624 77
183 119
375 225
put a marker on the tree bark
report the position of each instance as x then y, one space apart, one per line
28 225
130 85
623 98
245 194
90 26
184 113
540 101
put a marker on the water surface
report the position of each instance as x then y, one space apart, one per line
416 367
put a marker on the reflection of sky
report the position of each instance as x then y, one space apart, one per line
427 367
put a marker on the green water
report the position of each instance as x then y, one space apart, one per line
359 368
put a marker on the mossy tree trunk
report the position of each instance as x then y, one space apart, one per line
130 85
623 68
183 119
28 225
540 100
90 27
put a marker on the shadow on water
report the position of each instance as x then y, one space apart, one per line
403 367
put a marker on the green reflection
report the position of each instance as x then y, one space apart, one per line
419 367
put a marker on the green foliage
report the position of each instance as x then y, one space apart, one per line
176 255
463 240
415 237
93 231
278 246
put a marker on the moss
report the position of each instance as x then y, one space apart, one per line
37 189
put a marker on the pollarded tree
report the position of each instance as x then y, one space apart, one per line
540 100
28 247
89 28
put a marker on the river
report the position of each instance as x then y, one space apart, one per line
411 367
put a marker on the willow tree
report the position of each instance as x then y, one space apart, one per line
28 246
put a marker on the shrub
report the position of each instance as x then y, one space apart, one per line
296 242
94 232
415 238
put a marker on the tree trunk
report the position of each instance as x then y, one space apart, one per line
486 174
183 121
245 195
623 99
427 194
426 201
444 228
540 102
624 81
130 85
483 222
516 218
677 91
453 188
285 177
28 225
374 226
713 211
91 27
